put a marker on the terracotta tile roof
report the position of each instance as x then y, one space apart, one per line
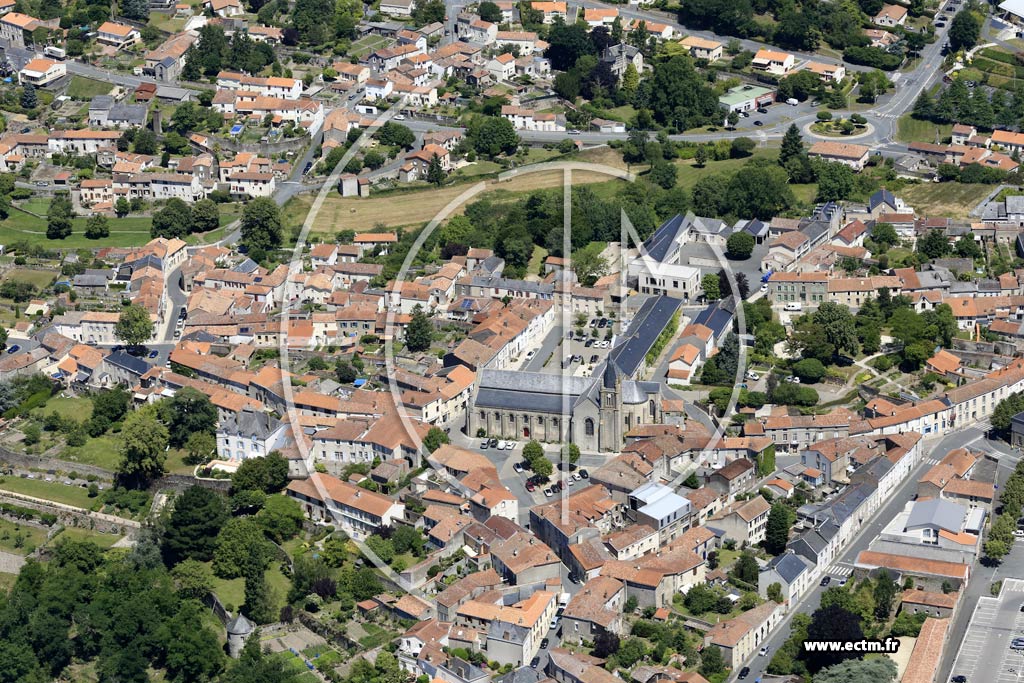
924 660
839 150
913 565
929 598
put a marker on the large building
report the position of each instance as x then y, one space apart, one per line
593 412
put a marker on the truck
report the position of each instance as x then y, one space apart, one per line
55 52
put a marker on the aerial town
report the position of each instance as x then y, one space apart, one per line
451 341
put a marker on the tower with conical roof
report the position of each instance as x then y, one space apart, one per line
610 434
239 629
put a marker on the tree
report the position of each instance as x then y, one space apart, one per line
193 653
197 517
542 467
492 136
589 265
711 661
572 453
174 220
631 651
663 174
29 98
344 371
97 227
740 245
121 207
133 326
205 215
879 670
143 447
700 156
435 173
777 532
268 474
488 11
58 217
200 446
258 601
144 142
832 623
566 44
711 287
135 9
261 224
885 233
835 181
532 451
435 438
420 331
746 568
934 244
281 518
792 145
241 549
605 643
188 412
192 579
964 31
774 592
838 326
885 591
809 370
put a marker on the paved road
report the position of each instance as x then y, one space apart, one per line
843 566
984 653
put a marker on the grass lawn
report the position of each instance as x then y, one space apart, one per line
913 130
690 173
30 537
77 408
59 493
102 451
130 231
7 581
167 22
482 167
955 200
81 88
39 278
76 534
175 463
232 591
537 259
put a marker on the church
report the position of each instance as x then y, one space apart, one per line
596 412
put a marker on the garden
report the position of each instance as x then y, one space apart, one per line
832 126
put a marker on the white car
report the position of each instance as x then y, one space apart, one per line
1019 533
753 376
530 354
548 492
764 289
764 651
575 476
501 445
399 117
511 445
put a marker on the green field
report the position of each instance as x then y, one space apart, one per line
690 173
76 534
31 537
365 46
40 278
58 493
103 451
915 130
232 591
129 231
76 408
81 88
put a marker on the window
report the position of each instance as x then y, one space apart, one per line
588 427
651 408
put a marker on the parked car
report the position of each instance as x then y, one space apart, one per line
530 354
494 443
576 476
530 487
826 580
518 467
544 643
758 122
593 359
154 353
744 672
585 474
14 348
535 662
940 24
751 375
763 652
548 492
399 117
484 444
762 110
590 342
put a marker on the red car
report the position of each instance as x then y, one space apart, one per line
530 487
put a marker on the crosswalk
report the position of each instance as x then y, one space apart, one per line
840 569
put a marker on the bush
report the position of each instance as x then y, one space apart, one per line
809 370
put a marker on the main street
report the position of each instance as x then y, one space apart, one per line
932 449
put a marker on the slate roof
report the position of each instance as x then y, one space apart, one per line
648 323
788 565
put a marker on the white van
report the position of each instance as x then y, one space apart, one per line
794 306
792 101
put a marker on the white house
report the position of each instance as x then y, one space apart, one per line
40 72
773 61
118 35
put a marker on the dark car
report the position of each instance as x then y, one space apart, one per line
940 24
590 342
13 349
530 487
154 353
535 662
762 110
494 443
309 165
544 644
585 474
744 672
826 580
593 359
959 678
759 122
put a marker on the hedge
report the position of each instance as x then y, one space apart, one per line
20 512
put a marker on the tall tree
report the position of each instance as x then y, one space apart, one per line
134 326
420 330
58 217
188 412
878 670
832 623
792 145
205 216
174 220
259 605
143 447
964 31
97 227
777 531
261 224
435 173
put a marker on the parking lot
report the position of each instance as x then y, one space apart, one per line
985 654
583 353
